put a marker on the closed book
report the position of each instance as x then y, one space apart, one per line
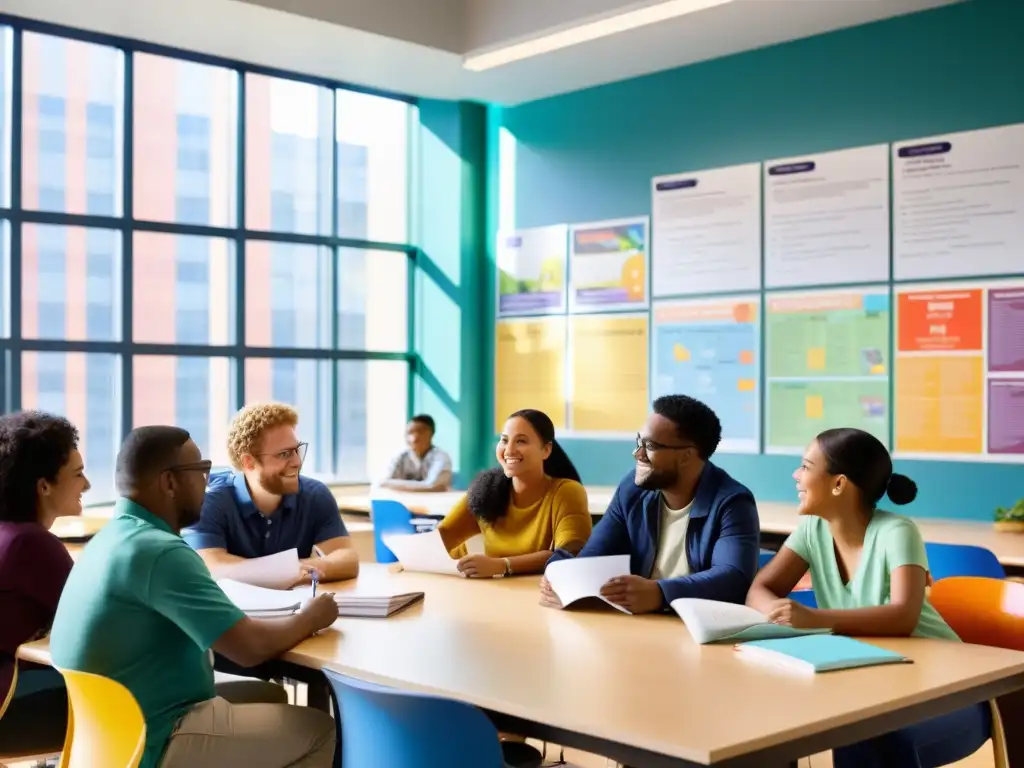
819 653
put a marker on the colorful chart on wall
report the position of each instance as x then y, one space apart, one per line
710 349
706 231
827 356
608 265
960 371
608 381
958 204
532 270
529 369
826 218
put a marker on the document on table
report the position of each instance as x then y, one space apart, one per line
423 552
583 577
263 602
277 571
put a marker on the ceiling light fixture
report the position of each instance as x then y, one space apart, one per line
583 33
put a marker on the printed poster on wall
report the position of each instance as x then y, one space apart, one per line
608 375
826 218
958 204
608 265
529 370
710 349
706 231
959 384
532 270
827 355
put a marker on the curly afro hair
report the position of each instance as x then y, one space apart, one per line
33 446
247 428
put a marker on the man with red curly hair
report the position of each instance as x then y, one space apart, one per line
266 506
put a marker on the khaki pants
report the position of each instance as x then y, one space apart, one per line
240 728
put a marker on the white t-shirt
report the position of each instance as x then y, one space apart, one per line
671 562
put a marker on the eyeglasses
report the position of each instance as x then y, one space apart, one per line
652 446
203 466
298 451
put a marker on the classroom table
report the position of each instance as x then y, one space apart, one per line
634 688
77 530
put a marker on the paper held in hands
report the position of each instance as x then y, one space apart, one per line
583 577
277 571
710 621
423 552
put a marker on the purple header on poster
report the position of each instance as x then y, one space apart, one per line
789 168
598 296
1006 416
919 150
667 186
1006 330
510 304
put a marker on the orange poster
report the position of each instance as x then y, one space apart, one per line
939 320
940 404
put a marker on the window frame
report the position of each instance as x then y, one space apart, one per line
15 216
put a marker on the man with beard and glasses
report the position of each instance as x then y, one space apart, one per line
141 608
689 528
266 506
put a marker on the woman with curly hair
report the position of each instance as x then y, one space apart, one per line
42 477
525 510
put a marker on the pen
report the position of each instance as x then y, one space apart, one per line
314 577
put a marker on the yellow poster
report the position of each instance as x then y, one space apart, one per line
609 373
939 404
530 368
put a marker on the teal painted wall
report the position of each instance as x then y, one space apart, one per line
590 155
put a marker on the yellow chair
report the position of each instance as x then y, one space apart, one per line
105 725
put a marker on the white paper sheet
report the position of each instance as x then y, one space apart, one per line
424 552
710 620
277 571
583 577
258 600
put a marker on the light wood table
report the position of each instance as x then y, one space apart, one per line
78 529
634 688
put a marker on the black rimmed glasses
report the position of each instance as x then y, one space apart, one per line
203 467
653 446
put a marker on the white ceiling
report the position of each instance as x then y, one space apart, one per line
415 46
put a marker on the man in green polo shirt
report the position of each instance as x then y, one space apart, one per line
141 607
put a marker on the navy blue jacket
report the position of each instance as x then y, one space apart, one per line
723 537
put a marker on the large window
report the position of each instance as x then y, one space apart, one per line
208 236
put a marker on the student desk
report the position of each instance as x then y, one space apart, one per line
636 689
78 530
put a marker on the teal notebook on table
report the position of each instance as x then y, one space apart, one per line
818 653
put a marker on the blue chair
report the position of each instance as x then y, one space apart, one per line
388 516
402 729
764 558
946 560
804 597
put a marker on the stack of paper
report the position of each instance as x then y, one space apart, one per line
261 602
582 577
374 606
710 621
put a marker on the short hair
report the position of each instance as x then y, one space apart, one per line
146 452
247 428
33 446
866 463
694 421
425 420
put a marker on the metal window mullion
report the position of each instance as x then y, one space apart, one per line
335 308
240 186
127 247
15 276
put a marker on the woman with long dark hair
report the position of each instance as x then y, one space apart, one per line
525 510
869 572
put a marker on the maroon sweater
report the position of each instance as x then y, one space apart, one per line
33 568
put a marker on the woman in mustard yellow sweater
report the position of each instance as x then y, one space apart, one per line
531 506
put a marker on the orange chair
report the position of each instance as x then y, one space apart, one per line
984 611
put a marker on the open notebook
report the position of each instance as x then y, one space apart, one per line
710 621
259 602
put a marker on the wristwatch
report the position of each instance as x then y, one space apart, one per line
508 567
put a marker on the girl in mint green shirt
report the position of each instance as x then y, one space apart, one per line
869 572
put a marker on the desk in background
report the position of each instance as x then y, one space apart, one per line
610 684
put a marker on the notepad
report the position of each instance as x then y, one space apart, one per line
374 606
711 621
582 577
259 602
819 653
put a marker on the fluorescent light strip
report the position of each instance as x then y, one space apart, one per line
593 30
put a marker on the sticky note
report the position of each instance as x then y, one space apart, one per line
680 353
745 385
746 357
814 407
816 358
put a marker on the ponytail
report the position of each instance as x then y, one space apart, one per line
559 465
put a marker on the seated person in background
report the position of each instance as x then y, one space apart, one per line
869 572
267 506
141 608
421 467
689 528
41 478
531 506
